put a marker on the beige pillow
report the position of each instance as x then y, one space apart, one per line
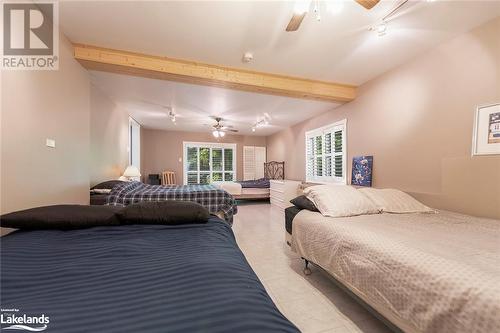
340 200
390 200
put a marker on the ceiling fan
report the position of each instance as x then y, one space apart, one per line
219 129
302 7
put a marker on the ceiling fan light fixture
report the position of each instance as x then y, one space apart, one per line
215 134
221 134
254 129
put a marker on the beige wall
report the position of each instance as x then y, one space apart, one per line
417 122
108 138
45 104
161 150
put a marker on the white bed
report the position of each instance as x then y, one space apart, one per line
272 170
232 188
238 192
423 272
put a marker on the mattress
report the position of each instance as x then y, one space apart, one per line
232 188
98 199
135 278
255 191
424 272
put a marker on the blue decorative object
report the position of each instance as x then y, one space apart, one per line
362 170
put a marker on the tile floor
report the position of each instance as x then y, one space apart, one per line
313 303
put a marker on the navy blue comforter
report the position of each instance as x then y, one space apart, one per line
257 183
136 278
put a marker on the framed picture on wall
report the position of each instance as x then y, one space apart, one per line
486 138
362 170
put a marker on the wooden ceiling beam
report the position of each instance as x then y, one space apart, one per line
116 61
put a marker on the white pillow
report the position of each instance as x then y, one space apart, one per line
340 200
390 200
101 191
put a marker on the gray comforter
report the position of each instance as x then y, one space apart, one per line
424 272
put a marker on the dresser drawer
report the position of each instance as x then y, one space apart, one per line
282 191
277 185
276 193
280 203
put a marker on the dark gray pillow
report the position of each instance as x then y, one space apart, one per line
107 185
61 217
164 212
303 203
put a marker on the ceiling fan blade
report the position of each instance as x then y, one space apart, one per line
368 4
295 22
230 130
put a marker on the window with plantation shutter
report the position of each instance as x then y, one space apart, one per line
253 162
208 162
326 154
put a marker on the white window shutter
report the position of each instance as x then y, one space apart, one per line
326 154
248 163
206 162
260 159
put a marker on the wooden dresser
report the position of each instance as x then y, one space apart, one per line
282 191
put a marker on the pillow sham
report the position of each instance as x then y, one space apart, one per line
391 200
61 217
340 200
164 212
303 203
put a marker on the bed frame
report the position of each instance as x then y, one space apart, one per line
272 170
359 300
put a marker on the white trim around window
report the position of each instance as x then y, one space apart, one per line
223 172
134 143
326 153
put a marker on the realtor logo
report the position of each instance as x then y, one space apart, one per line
30 35
13 319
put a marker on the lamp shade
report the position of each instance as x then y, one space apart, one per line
131 171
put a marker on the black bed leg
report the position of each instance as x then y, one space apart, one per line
307 270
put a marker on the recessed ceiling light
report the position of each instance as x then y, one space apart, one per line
247 57
382 29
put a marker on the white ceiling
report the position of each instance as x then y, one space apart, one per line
340 48
144 100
